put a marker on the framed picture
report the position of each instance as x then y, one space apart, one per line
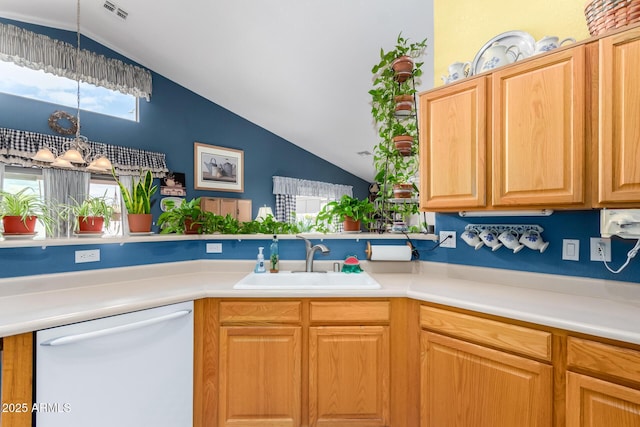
218 168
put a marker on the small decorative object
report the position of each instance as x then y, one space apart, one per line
54 123
173 185
351 265
218 168
274 258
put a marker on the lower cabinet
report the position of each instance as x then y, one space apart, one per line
465 384
260 376
17 380
349 376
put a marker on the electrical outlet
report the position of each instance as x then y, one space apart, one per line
214 248
598 246
91 255
450 237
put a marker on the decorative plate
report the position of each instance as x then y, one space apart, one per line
524 41
175 200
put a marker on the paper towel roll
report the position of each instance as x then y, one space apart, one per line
390 253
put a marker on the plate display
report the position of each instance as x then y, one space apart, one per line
524 41
175 200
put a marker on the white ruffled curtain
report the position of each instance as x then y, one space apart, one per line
39 52
286 189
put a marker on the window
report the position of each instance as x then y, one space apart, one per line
307 209
41 86
17 178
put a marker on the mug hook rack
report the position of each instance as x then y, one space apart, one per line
499 228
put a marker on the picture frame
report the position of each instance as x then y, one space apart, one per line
218 168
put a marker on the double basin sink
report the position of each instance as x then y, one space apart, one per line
306 281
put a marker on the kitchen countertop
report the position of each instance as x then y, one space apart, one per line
602 308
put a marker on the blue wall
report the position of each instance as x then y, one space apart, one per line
176 117
172 121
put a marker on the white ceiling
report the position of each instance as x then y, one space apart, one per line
299 68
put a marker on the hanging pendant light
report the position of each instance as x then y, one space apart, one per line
79 151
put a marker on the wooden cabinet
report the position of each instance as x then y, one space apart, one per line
349 365
239 209
301 363
453 146
465 384
516 142
17 380
619 127
600 394
483 383
538 119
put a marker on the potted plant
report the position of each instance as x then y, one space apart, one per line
350 210
187 217
20 211
91 214
138 202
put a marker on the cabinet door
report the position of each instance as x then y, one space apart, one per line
244 210
464 384
349 376
17 380
453 146
619 139
210 204
538 145
595 403
229 207
260 376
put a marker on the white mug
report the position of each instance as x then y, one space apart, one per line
509 239
533 240
490 238
471 238
548 43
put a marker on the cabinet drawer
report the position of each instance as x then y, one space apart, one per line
261 311
349 311
526 341
603 358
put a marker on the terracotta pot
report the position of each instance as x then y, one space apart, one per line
402 191
403 68
90 224
403 144
15 224
191 228
404 105
140 223
350 225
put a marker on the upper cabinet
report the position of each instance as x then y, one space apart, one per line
558 131
619 127
538 142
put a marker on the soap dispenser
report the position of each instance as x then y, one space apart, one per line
274 258
260 261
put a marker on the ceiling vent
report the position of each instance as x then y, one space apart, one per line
113 8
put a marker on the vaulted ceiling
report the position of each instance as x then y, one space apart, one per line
299 68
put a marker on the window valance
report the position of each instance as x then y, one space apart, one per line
39 52
18 146
303 187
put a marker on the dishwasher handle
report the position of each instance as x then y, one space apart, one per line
75 338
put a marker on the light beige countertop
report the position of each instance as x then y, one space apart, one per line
598 307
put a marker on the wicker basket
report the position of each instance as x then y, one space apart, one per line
604 15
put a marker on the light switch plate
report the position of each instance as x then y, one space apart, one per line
571 249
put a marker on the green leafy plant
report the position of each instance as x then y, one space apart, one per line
347 206
391 166
24 204
89 207
138 200
187 213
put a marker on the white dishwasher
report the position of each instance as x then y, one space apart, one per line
129 370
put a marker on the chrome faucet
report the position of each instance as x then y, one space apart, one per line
310 251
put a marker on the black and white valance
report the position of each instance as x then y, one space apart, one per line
39 52
303 187
18 146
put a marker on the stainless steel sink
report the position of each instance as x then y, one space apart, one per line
304 280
